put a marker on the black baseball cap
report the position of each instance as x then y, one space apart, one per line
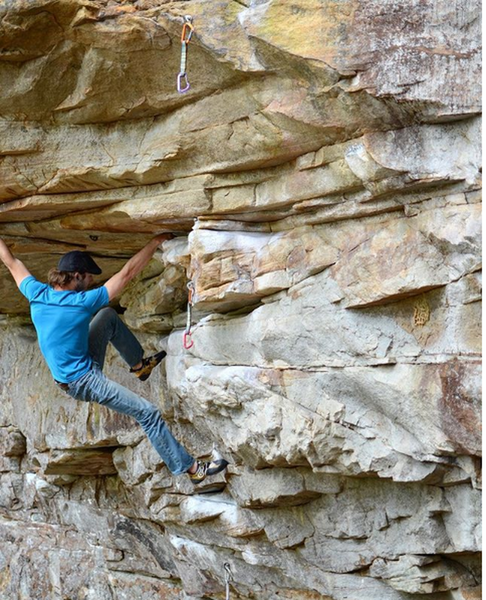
78 262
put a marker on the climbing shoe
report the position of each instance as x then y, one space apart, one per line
148 365
204 469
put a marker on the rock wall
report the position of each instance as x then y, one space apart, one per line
322 175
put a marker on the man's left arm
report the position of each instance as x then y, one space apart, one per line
116 284
16 267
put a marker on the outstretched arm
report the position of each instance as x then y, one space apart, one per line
134 266
16 267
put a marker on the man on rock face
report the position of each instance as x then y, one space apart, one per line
74 326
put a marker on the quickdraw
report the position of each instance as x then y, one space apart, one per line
186 340
187 30
228 576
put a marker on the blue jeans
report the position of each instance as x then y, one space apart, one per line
94 386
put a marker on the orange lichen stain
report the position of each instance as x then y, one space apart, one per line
421 312
472 593
308 28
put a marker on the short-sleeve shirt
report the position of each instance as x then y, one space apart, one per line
61 319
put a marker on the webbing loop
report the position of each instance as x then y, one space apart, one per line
182 68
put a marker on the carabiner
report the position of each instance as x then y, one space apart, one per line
187 344
190 292
187 25
180 78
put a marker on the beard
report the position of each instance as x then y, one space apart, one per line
81 284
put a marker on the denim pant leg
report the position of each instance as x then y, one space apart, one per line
106 326
94 386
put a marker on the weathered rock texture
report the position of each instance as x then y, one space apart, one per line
323 174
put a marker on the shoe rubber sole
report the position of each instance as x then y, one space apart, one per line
149 365
219 465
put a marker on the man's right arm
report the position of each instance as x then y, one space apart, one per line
16 267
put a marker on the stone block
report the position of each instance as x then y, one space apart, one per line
270 488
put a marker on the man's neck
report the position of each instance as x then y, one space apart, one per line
71 287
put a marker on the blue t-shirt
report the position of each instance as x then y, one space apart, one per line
61 319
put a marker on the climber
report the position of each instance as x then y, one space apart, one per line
74 326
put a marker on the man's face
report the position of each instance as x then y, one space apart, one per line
83 281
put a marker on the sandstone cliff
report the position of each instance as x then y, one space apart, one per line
322 175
